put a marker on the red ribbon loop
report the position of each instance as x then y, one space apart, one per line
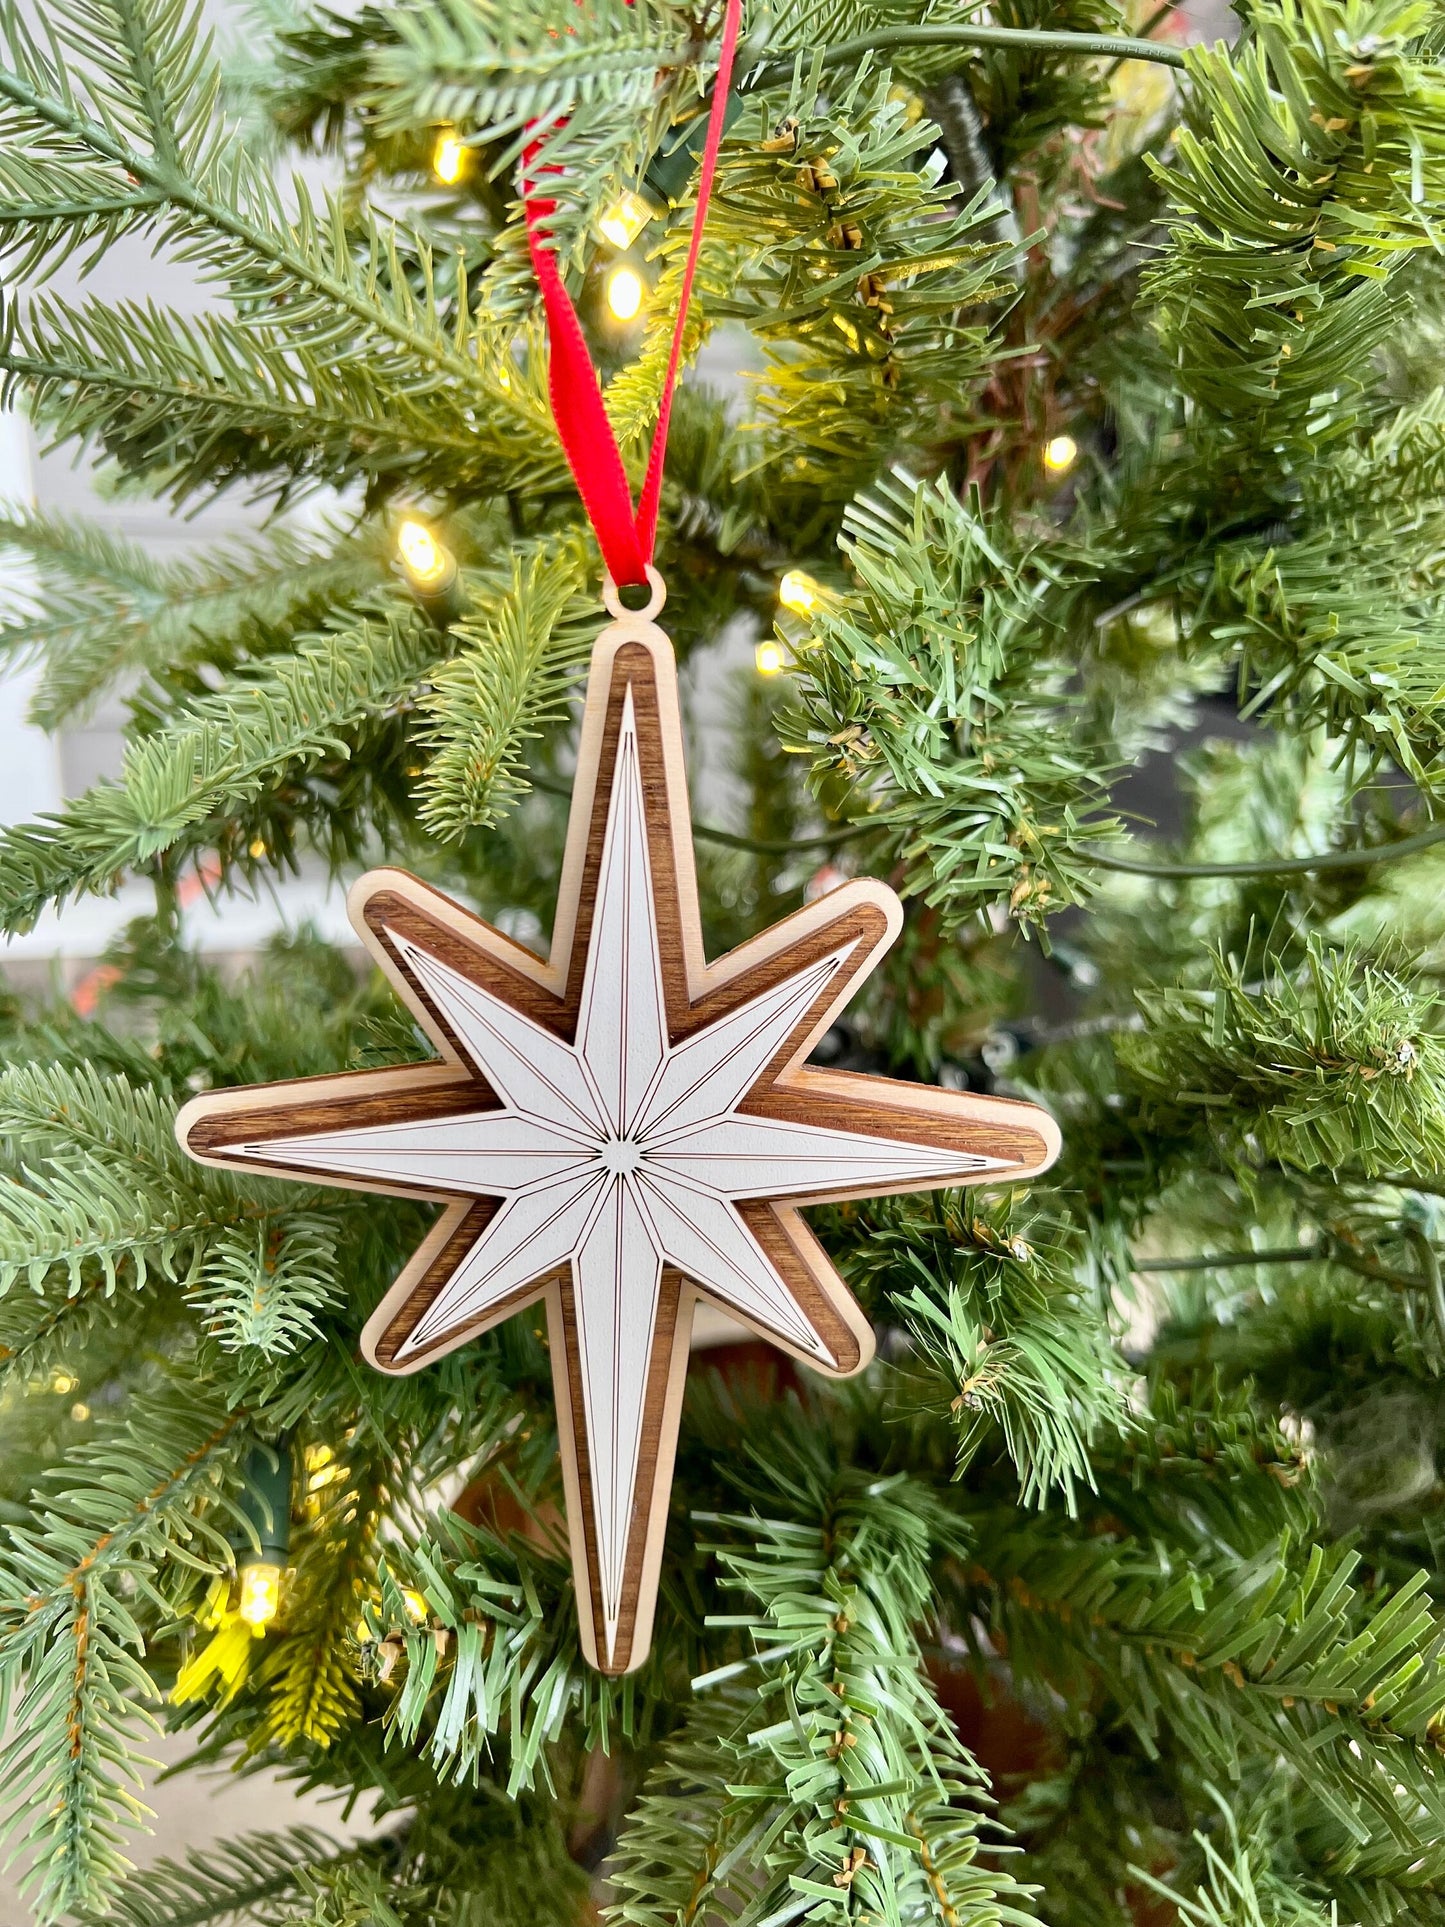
626 538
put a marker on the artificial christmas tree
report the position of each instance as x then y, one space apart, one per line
1092 412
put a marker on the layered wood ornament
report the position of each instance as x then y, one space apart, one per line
621 1130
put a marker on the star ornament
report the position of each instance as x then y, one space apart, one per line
622 1130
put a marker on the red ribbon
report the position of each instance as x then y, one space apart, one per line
625 538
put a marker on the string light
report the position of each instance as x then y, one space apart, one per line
430 570
1060 454
769 658
64 1382
625 220
257 847
798 592
422 556
416 1606
80 1411
260 1593
624 293
448 159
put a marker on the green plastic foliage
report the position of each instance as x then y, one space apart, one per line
131 141
183 788
847 256
100 1188
106 610
1240 1888
924 691
504 1867
308 1676
994 1307
262 1284
606 90
1305 617
75 1585
1148 1453
517 663
1230 1662
1029 96
847 1791
1334 1067
494 1668
196 405
1305 170
256 1876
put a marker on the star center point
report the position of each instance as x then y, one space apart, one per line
620 1156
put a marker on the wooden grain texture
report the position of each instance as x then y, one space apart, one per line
808 965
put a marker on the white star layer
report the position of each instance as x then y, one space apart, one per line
618 1154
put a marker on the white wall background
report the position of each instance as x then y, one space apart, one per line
37 771
29 761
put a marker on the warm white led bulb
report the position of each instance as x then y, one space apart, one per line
448 160
798 592
769 658
422 556
260 1593
624 293
1061 453
624 220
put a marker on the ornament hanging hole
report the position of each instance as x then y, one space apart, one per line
612 597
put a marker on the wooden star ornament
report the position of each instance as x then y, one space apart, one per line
621 1130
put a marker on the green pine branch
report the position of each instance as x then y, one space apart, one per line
74 1583
105 1182
1239 1888
310 1673
1205 1454
195 404
331 267
233 1884
227 208
498 1653
218 757
995 1308
1302 176
1333 1064
1308 635
844 1787
262 1286
924 694
105 610
101 1189
846 255
1027 96
519 658
606 92
1228 1659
